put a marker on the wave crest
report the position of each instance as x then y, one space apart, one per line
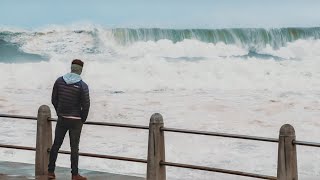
171 43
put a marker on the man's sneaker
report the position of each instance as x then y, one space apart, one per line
51 175
78 177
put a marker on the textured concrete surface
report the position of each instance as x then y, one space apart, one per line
22 171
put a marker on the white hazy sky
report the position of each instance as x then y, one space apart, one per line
161 13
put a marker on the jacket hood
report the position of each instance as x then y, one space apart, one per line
71 78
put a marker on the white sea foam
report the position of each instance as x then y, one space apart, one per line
300 49
188 65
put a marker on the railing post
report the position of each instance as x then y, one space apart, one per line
287 154
156 149
44 140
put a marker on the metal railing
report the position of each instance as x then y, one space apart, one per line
287 155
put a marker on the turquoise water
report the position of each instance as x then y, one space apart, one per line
10 52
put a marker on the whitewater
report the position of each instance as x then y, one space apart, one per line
245 81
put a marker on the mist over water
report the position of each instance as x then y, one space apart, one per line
246 81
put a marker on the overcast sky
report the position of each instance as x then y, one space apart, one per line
161 13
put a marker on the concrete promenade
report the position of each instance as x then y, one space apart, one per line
23 171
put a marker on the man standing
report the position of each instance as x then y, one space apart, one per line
70 98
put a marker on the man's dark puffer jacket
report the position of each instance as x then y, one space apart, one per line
71 99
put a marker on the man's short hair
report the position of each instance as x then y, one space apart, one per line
77 61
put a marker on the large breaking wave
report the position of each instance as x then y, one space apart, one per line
153 59
251 38
173 43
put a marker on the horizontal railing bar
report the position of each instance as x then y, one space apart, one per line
256 138
117 125
304 143
225 171
81 154
111 124
18 116
18 147
107 157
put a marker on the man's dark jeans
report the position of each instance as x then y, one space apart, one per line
74 127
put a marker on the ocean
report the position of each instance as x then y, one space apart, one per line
246 81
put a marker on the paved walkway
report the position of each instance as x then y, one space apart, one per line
22 171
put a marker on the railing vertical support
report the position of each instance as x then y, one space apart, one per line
44 140
287 154
156 149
